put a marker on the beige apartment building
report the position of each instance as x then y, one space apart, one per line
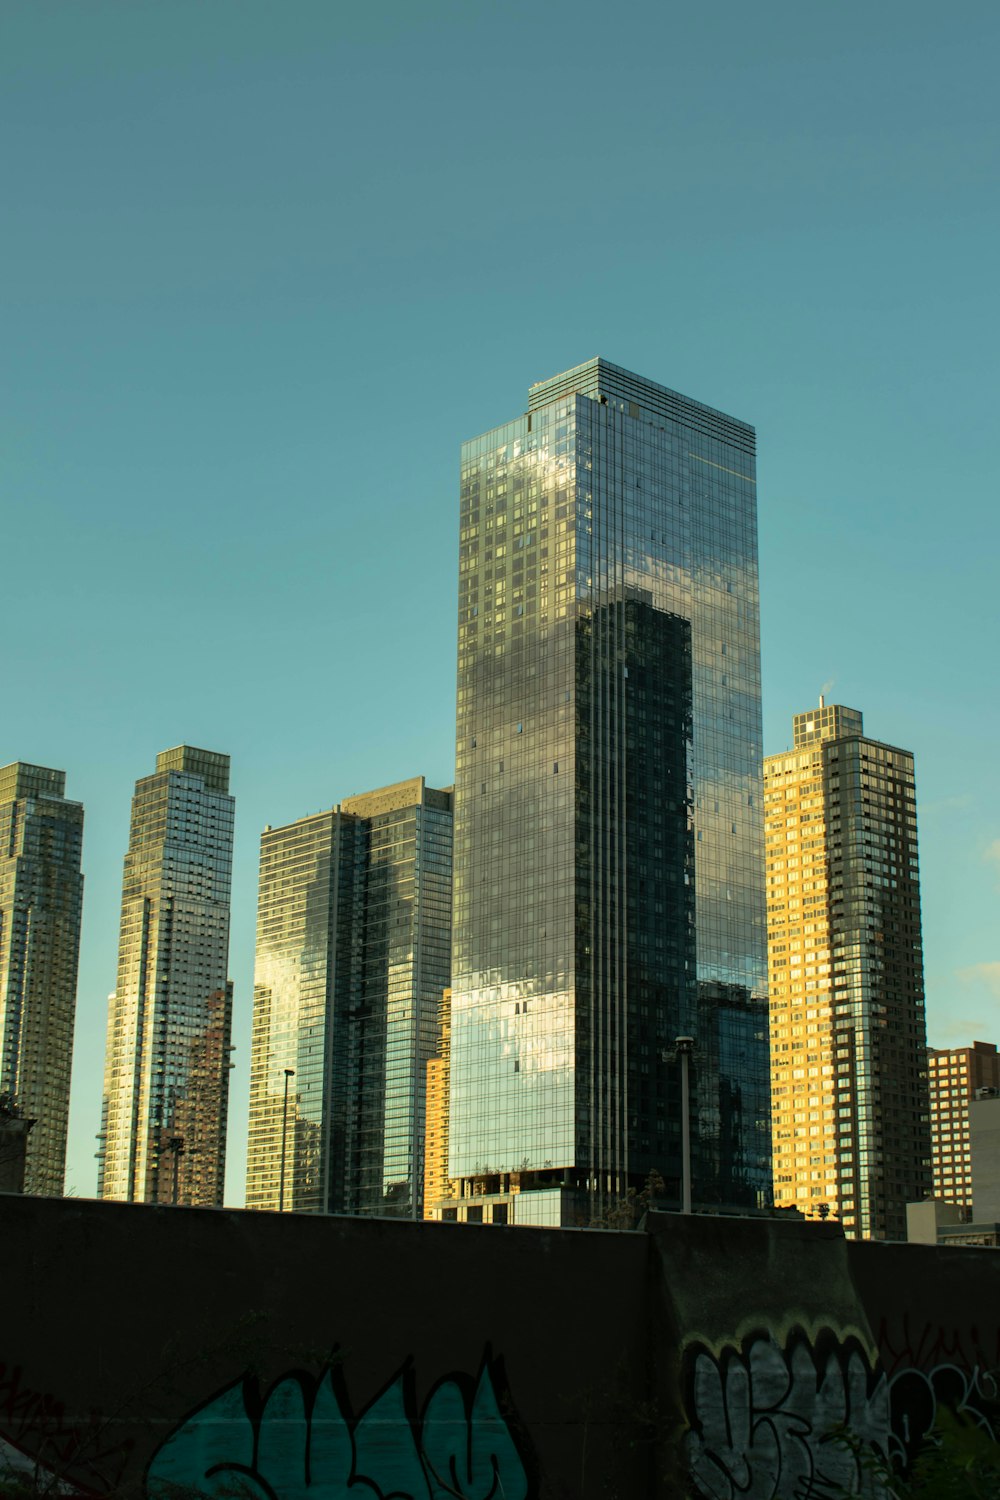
850 1133
437 1184
167 1059
956 1076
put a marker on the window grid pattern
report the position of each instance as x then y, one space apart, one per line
955 1075
848 1036
41 897
166 1076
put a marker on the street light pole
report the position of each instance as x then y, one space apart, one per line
289 1073
685 1046
176 1146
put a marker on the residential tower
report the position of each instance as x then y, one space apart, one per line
166 1072
41 902
851 1137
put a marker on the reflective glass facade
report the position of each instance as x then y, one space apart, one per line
848 1037
166 1071
353 953
41 898
608 825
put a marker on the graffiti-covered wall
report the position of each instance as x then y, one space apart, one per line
162 1352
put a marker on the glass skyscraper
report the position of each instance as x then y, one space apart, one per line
608 818
41 899
166 1071
353 954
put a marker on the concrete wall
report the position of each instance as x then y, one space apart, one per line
148 1348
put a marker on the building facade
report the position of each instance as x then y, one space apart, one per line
956 1075
851 1137
984 1138
437 1184
41 904
353 952
608 823
166 1070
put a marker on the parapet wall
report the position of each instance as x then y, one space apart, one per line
158 1350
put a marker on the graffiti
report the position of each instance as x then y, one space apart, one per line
38 1438
916 1397
300 1443
764 1418
932 1367
768 1419
909 1345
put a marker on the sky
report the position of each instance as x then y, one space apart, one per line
265 266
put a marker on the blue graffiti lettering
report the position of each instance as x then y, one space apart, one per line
304 1446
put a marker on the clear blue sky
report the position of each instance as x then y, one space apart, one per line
266 265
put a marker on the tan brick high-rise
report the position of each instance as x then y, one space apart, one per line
437 1185
850 1131
955 1075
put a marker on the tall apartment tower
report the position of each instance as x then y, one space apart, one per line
956 1076
608 822
166 1069
849 1104
41 901
353 952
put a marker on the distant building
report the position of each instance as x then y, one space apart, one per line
353 952
166 1071
932 1222
936 1221
849 1102
956 1074
41 902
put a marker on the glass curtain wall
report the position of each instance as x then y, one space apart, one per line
353 953
609 887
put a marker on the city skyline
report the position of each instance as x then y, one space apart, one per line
227 993
237 1196
235 248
